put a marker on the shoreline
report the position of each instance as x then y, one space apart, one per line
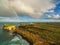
30 37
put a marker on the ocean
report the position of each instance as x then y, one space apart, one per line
7 39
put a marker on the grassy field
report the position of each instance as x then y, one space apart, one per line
46 31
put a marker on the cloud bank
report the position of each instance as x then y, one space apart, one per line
33 8
54 16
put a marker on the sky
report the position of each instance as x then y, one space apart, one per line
29 10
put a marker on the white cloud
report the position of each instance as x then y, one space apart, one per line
34 8
54 16
10 19
51 11
49 16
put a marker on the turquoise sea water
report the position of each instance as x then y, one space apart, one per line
7 39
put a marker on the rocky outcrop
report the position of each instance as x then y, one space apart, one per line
11 28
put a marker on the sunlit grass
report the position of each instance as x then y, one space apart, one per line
47 31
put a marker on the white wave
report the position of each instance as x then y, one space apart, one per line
15 39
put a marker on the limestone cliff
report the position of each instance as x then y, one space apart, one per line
11 28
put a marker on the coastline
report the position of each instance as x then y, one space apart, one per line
37 33
30 37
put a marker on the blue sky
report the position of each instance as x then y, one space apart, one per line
34 11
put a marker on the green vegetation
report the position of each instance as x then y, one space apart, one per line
47 31
9 25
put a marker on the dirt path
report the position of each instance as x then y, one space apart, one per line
32 38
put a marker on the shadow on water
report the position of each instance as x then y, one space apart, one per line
4 36
14 39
